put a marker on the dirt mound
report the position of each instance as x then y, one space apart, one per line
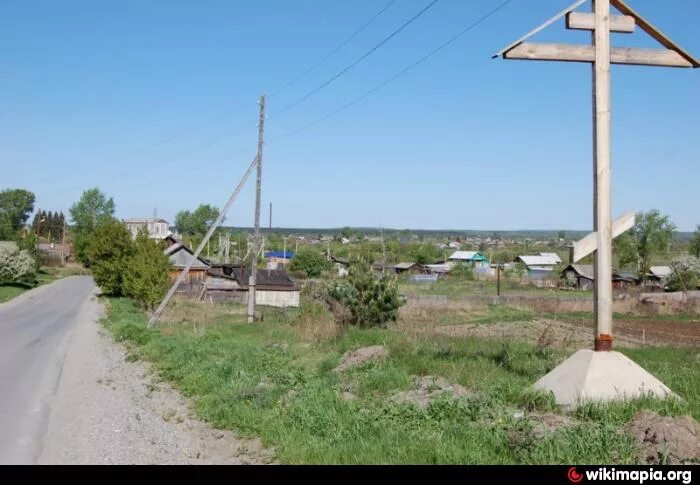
545 423
665 440
427 388
355 358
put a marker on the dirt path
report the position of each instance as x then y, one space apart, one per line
109 411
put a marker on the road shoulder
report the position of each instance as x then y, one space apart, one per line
107 410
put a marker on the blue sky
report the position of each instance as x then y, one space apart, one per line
138 98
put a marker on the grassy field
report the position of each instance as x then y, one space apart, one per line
44 276
275 380
455 289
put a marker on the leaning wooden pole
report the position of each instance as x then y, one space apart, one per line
603 220
256 239
181 277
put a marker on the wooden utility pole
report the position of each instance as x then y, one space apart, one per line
256 240
601 55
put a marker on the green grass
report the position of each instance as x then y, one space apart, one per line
240 378
8 292
44 276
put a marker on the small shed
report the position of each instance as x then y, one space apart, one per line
579 276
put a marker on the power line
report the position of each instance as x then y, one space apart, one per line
397 75
335 50
356 62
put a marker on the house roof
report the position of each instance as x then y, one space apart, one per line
539 260
137 220
267 279
279 254
660 271
438 268
554 256
336 259
404 265
585 270
180 256
467 256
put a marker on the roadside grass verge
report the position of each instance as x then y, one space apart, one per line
9 291
275 380
44 276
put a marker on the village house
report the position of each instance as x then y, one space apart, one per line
473 259
273 287
539 266
581 277
180 256
156 228
657 276
277 259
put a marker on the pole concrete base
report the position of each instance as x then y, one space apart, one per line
589 376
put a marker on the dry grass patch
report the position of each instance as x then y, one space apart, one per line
201 312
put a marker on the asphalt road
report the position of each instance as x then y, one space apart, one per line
34 332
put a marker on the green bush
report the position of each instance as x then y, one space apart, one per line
310 262
370 301
146 273
17 266
461 272
109 250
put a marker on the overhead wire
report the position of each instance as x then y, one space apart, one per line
402 72
364 56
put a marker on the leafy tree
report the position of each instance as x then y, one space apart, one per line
197 222
695 243
461 271
625 248
652 235
92 210
15 207
146 272
370 301
109 250
685 275
561 234
423 253
27 241
17 266
346 232
309 261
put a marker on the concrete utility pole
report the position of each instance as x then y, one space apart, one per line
601 374
256 240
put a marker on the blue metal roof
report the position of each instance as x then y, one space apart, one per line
279 254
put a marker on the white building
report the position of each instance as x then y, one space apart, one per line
156 228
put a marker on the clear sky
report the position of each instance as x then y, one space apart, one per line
139 97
